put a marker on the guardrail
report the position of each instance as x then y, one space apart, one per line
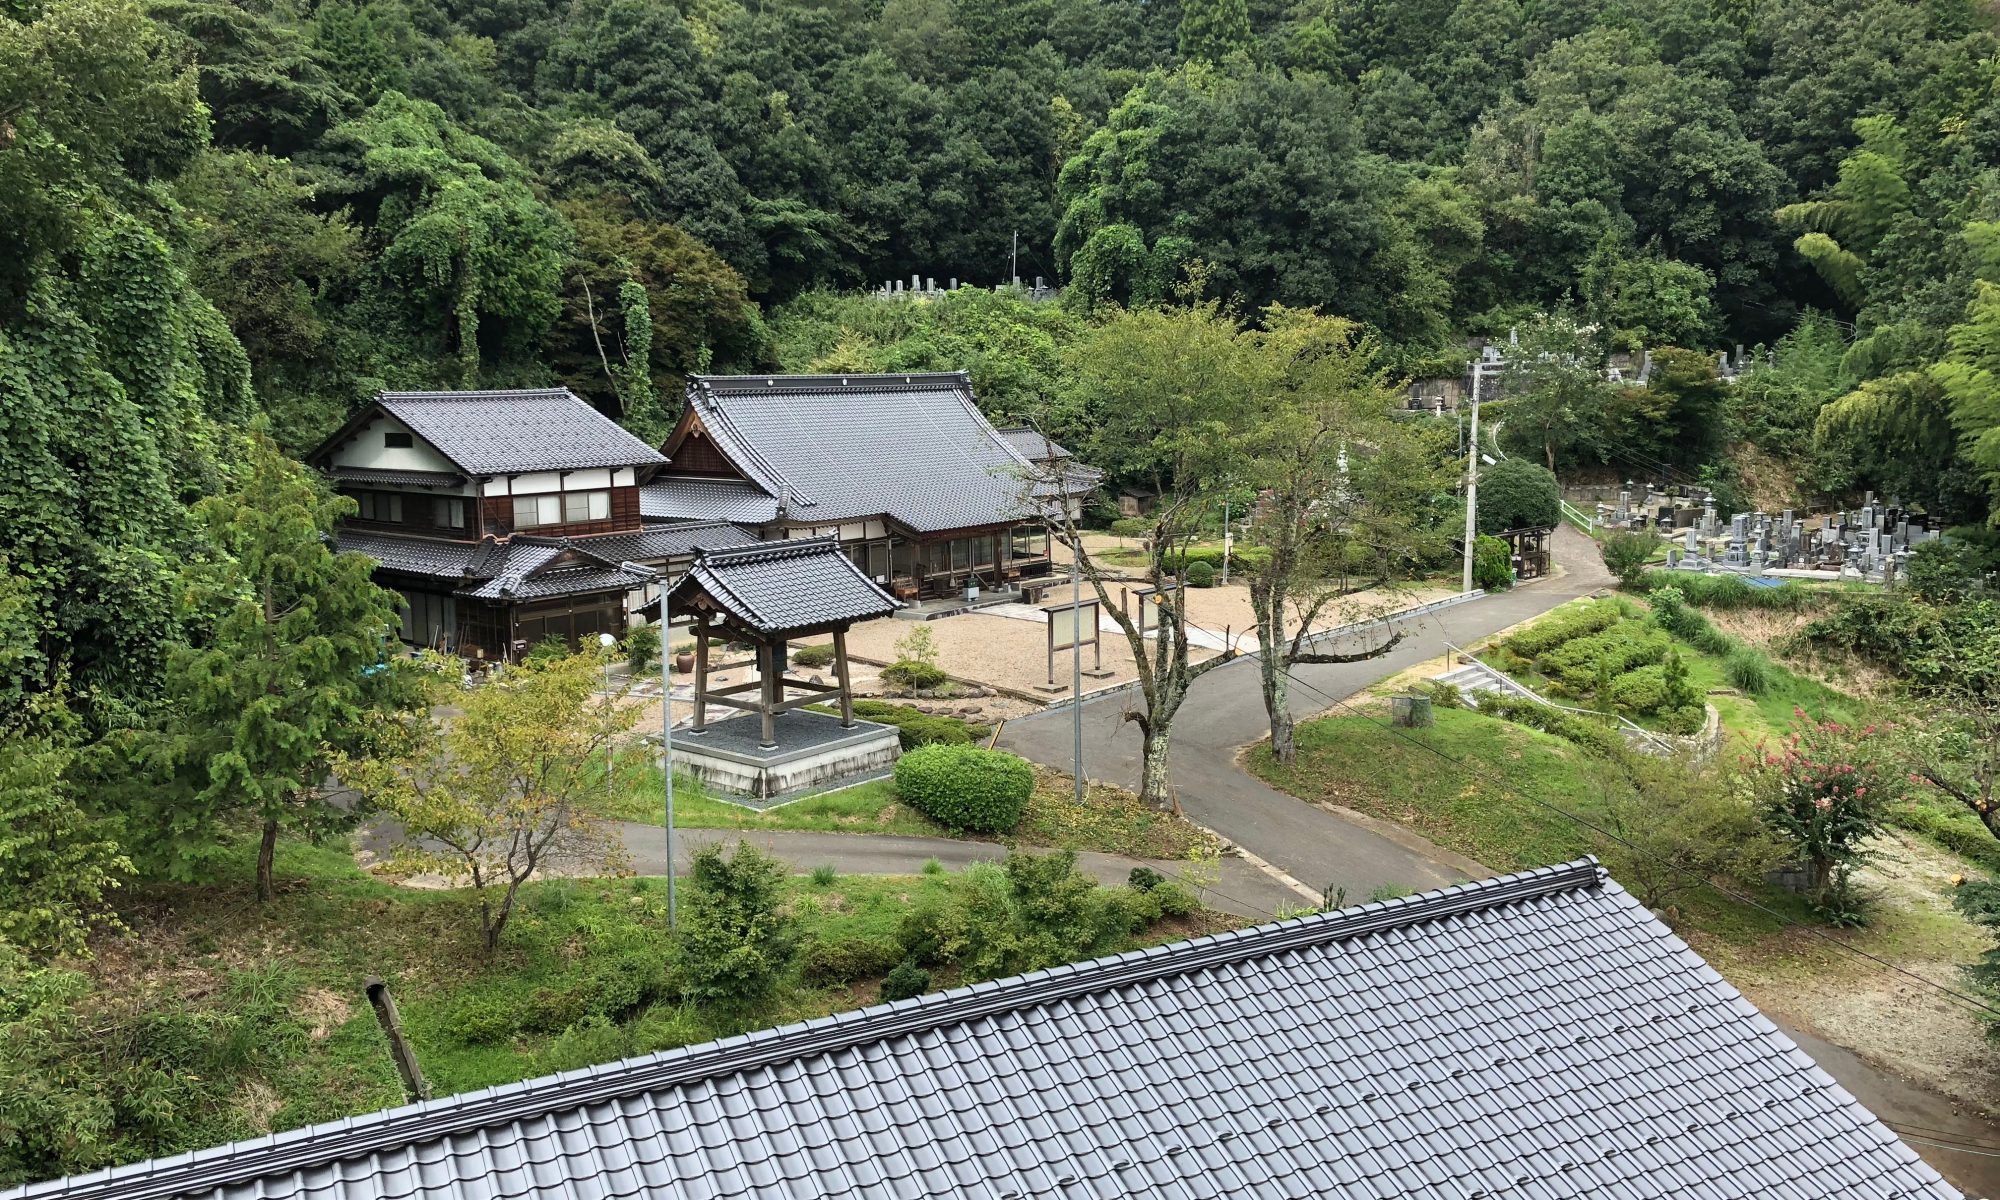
1626 725
1576 517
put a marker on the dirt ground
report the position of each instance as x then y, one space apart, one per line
1906 1027
995 651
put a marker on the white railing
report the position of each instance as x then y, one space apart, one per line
1576 517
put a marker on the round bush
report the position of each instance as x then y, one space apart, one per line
907 980
966 787
1515 494
1200 574
812 656
915 675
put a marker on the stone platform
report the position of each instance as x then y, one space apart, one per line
814 753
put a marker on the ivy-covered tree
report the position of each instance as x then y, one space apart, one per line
287 666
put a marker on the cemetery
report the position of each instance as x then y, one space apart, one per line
1868 544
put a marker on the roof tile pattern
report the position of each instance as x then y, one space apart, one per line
1533 1037
774 587
689 499
914 448
510 432
659 542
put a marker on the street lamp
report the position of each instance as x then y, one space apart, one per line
666 728
606 641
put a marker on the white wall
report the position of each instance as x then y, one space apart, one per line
366 449
541 482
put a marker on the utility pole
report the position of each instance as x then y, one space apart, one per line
666 725
1076 660
1472 479
1226 541
1014 261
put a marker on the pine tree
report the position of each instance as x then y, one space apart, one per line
286 668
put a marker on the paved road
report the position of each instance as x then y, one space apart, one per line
1225 711
1239 887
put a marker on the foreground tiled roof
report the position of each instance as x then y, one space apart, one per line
842 447
657 542
506 432
1532 1037
774 587
688 499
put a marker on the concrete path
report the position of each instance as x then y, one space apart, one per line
1224 712
1239 887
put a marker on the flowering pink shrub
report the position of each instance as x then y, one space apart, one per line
1822 788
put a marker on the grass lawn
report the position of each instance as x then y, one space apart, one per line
1111 820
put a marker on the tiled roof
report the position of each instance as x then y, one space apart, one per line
688 499
543 568
1033 444
392 475
1532 1037
508 432
843 447
657 542
411 555
778 586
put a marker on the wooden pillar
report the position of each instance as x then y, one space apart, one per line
767 679
700 722
840 674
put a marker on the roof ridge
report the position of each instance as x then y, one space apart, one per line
215 1169
714 415
479 394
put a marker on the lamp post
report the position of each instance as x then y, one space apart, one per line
666 729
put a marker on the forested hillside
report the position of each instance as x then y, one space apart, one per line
215 213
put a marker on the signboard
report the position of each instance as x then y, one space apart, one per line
1072 626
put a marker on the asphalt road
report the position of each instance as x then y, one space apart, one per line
1224 712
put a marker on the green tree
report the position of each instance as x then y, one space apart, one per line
1211 30
1517 494
1341 486
1839 232
1556 393
512 785
285 669
1167 388
1970 379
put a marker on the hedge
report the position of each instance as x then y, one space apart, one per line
1599 739
1615 651
966 787
1563 626
916 728
848 959
813 656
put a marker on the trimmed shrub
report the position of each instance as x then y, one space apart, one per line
915 728
906 980
1640 691
1596 738
1132 527
812 656
1175 900
1200 575
1748 671
845 961
1545 635
1686 720
966 787
1145 879
1619 649
917 676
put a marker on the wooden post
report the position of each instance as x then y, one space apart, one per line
414 1084
767 670
840 673
700 722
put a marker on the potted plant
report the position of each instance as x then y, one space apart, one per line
684 657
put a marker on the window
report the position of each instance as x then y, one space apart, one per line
450 512
395 439
579 507
380 506
530 511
